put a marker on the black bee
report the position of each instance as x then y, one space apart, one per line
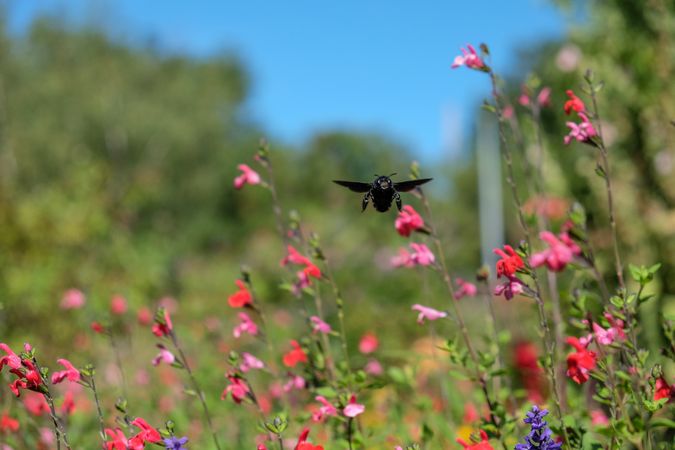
382 191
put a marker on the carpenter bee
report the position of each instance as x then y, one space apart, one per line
382 191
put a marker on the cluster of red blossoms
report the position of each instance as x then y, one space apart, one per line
580 362
304 276
118 441
28 376
509 264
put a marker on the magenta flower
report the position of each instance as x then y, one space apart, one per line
403 259
72 299
611 334
319 326
510 288
582 132
164 356
466 289
326 409
12 359
421 255
469 59
353 409
246 325
558 255
544 97
408 221
250 362
373 367
237 388
71 373
368 343
428 313
248 176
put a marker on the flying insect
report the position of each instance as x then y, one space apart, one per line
383 191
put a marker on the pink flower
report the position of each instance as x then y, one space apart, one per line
319 326
557 256
248 176
368 343
403 259
12 359
373 367
428 313
466 289
250 362
598 417
144 316
237 388
614 332
72 299
164 356
118 305
294 382
510 288
408 221
582 132
469 59
421 255
162 325
353 409
573 104
326 409
304 276
246 325
71 372
544 97
508 111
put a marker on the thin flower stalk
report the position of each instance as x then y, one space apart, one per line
480 376
59 428
549 340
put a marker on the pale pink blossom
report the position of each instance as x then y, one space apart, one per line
373 367
557 256
319 326
164 356
246 325
353 409
368 343
468 58
611 334
544 97
421 255
428 313
294 382
509 288
403 259
72 299
466 289
598 417
250 362
248 176
582 132
326 409
118 305
71 373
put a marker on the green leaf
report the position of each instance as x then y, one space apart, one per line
326 391
662 422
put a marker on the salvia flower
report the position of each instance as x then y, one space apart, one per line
539 437
242 297
295 356
8 424
581 362
510 288
421 255
408 220
509 263
483 444
248 176
326 409
11 359
319 326
304 276
250 362
237 388
582 132
118 305
557 256
529 371
73 299
468 58
174 443
147 433
302 443
353 409
368 343
245 325
614 332
428 313
162 325
466 289
663 390
573 104
71 373
164 356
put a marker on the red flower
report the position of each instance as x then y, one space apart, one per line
484 444
510 262
663 390
368 343
295 356
529 372
237 388
162 325
303 444
118 440
248 176
240 298
580 362
97 327
71 372
469 59
305 275
12 359
147 433
408 221
8 424
573 104
144 316
35 403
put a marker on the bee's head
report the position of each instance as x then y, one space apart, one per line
383 182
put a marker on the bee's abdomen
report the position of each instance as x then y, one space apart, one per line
382 200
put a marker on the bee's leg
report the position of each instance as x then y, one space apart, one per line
364 202
397 197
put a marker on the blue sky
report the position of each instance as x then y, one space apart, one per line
318 65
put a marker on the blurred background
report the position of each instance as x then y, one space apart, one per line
122 123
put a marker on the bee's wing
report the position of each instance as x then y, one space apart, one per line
405 186
355 186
